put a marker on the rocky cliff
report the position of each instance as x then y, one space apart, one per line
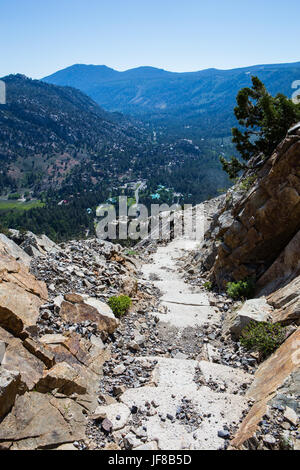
254 234
54 342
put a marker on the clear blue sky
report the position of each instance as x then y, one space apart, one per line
38 37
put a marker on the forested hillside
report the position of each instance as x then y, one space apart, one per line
59 149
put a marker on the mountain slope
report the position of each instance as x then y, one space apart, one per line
202 100
46 131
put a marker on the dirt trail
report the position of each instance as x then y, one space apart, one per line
178 397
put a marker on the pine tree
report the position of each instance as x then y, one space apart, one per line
264 121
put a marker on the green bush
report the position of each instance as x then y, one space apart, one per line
131 253
241 289
120 305
262 337
208 285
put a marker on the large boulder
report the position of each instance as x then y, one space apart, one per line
9 247
254 310
19 309
36 246
41 421
21 296
86 360
76 310
16 273
17 358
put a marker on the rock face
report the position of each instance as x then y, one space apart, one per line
10 248
9 385
33 245
40 421
252 228
48 383
270 377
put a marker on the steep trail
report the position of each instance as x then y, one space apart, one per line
183 412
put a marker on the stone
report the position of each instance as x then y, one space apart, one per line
118 414
271 375
107 425
63 378
19 309
74 298
283 271
129 286
119 370
36 246
82 312
66 447
10 248
269 440
38 350
224 434
9 387
85 358
17 358
14 272
254 310
40 421
269 215
286 302
291 416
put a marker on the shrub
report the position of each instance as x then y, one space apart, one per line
241 289
131 253
262 337
248 182
208 285
120 305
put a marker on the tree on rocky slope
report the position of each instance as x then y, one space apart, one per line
264 121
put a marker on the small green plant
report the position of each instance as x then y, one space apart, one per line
208 285
248 182
131 253
241 289
262 337
120 305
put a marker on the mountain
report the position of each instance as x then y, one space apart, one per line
196 104
58 146
46 131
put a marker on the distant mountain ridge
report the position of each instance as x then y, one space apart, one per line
202 101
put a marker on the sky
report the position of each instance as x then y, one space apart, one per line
39 37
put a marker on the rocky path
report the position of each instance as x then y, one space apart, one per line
169 394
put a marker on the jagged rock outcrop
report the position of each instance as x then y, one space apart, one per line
52 344
21 296
252 228
276 384
10 248
74 309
